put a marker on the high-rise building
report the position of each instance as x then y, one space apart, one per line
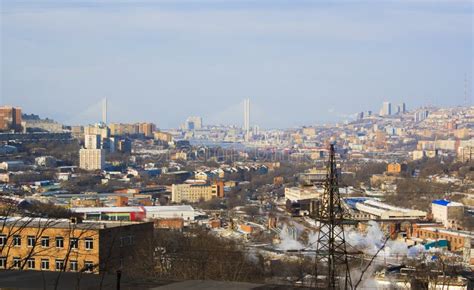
192 123
146 129
10 119
117 129
421 115
401 109
386 109
92 141
92 159
98 129
124 146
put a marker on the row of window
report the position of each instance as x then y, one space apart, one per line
441 236
44 264
31 242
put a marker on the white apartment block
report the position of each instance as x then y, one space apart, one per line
92 159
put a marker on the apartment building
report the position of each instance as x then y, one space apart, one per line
10 119
193 192
147 129
63 245
163 136
92 159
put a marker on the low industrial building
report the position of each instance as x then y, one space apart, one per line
114 213
185 212
136 213
295 194
302 201
377 210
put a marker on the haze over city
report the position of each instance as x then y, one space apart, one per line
300 62
224 144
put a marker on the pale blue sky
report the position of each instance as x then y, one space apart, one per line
300 62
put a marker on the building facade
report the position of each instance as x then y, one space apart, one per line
92 159
447 212
386 109
10 119
147 129
193 192
295 194
61 245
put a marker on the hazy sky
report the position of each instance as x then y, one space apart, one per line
300 62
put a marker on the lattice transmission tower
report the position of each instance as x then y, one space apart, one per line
331 253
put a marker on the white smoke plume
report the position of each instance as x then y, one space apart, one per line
374 239
288 241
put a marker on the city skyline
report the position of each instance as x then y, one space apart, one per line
311 63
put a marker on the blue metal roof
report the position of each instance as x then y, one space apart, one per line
441 202
351 201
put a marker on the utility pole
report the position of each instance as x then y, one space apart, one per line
331 254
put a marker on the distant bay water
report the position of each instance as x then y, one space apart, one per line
221 144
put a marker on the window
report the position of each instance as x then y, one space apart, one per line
45 242
74 243
89 244
16 262
16 241
73 266
88 266
31 263
59 265
3 240
44 264
3 263
31 241
59 242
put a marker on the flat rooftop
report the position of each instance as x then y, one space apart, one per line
64 223
39 280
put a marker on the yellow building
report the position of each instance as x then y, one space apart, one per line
118 129
193 192
462 133
61 245
10 119
465 154
309 131
146 129
163 136
395 168
179 156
